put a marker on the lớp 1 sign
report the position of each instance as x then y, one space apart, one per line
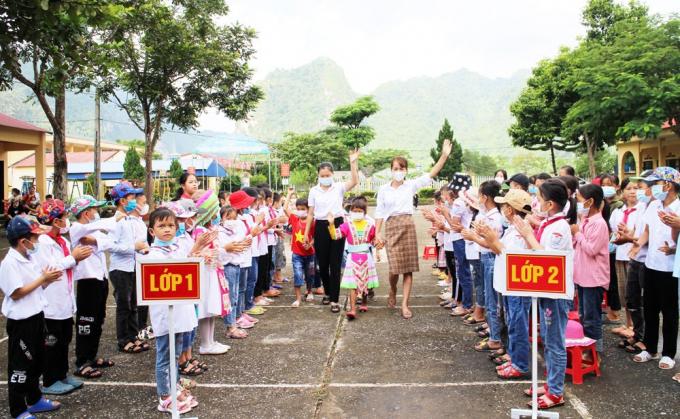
175 281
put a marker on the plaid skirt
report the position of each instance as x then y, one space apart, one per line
402 244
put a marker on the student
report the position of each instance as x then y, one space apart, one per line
567 171
141 234
591 260
122 268
360 274
188 186
23 283
518 181
92 290
279 262
554 233
323 198
304 265
163 227
54 252
661 287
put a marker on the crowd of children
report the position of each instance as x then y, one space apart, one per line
623 238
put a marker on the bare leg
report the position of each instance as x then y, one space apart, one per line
408 282
392 298
478 314
298 294
352 301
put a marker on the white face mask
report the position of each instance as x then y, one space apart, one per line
143 210
66 228
325 181
301 213
500 180
398 175
356 216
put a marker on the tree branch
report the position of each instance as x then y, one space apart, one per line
127 110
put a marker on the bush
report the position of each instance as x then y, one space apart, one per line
426 193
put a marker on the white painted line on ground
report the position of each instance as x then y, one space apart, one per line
579 406
429 385
207 385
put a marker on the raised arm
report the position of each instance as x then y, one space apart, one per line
354 167
446 151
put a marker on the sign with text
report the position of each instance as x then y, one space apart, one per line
543 274
175 281
285 169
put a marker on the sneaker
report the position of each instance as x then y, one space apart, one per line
309 298
221 346
57 388
212 350
165 406
295 304
72 381
446 296
251 319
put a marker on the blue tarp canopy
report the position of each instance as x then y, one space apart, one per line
113 170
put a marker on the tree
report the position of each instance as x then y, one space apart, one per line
132 167
139 147
172 60
348 122
51 40
305 151
541 108
454 163
605 161
302 177
477 163
372 161
175 170
230 183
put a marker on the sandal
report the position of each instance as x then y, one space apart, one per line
87 371
666 363
363 308
237 334
190 369
541 391
635 348
392 300
351 315
645 356
326 300
548 401
502 359
145 346
484 333
470 321
676 377
481 327
497 353
510 373
199 364
103 363
483 346
335 308
131 348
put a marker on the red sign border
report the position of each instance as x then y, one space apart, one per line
155 301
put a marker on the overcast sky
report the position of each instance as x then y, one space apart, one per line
381 40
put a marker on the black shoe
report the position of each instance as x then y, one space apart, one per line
326 300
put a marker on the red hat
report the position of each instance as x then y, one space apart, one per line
239 200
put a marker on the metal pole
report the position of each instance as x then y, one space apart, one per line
534 358
173 363
270 169
97 144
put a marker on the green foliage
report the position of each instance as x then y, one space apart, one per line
305 151
258 179
454 163
348 119
88 185
138 145
302 177
371 161
605 161
426 193
132 167
479 164
175 170
230 183
367 194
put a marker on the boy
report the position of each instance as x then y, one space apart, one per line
304 265
142 234
122 268
22 283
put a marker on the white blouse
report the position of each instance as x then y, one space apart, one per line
327 201
399 200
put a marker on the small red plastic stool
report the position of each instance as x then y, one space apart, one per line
429 252
577 367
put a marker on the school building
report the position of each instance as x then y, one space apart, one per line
637 155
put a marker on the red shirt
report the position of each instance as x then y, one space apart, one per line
298 230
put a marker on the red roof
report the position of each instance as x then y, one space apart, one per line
8 121
667 124
74 157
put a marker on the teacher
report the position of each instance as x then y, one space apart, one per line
395 210
324 199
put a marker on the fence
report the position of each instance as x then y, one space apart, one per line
375 184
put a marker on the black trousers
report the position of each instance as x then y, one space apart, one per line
264 263
634 286
125 293
613 298
451 267
329 254
91 295
661 296
57 339
142 316
25 361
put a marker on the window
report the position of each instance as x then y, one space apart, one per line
648 165
674 163
629 163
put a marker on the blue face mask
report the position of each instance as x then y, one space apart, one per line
215 221
642 196
130 206
608 191
325 181
533 190
181 229
658 193
246 210
161 243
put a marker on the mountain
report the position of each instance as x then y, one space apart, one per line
412 111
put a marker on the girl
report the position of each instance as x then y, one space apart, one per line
360 274
324 198
554 233
232 239
214 288
395 209
279 262
591 259
188 186
163 228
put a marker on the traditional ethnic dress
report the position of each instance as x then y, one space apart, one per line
214 288
360 272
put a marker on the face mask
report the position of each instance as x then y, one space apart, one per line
356 216
215 221
541 213
500 180
95 217
66 228
33 251
504 221
143 210
581 209
658 193
181 229
246 210
325 181
161 243
642 196
301 213
608 191
398 175
130 206
533 190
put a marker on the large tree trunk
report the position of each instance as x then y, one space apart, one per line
552 159
60 177
148 166
590 149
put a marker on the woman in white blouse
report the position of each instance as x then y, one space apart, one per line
395 208
324 199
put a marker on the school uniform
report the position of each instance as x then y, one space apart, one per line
636 277
141 234
488 259
629 217
460 209
55 253
265 255
25 330
248 221
230 232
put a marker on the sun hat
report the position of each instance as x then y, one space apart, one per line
460 182
20 226
123 189
471 198
190 206
51 210
575 336
85 202
518 199
178 209
240 199
209 202
665 173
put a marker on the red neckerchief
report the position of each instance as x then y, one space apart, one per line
545 224
62 243
259 236
626 213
